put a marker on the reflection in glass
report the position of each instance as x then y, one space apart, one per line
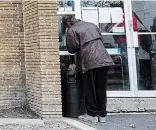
91 3
98 3
61 32
110 15
147 59
118 76
145 70
60 28
65 5
146 11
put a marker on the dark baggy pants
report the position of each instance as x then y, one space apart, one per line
95 85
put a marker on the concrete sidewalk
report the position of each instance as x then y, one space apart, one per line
114 122
34 124
24 119
144 121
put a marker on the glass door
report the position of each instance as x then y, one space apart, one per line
128 28
143 15
112 17
115 22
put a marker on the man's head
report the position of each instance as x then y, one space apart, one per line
68 20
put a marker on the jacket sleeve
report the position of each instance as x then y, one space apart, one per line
71 42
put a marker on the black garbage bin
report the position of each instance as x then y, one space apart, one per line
72 93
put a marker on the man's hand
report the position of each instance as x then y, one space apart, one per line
72 67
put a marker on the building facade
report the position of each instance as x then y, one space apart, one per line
29 39
123 25
30 54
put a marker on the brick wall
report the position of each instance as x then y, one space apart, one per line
50 62
32 55
12 73
42 57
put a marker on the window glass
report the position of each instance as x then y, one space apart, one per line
65 5
61 32
146 51
110 15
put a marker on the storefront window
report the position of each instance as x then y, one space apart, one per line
144 12
118 76
146 61
91 3
109 17
61 29
124 43
65 5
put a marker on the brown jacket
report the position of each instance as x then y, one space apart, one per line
85 39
